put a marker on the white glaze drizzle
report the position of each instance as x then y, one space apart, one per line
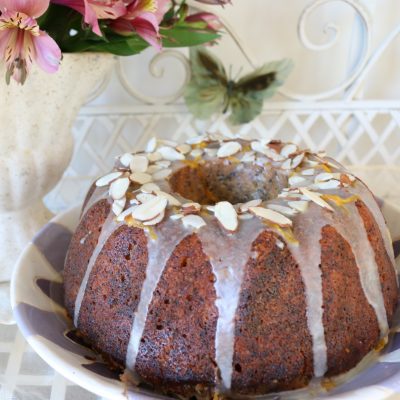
228 255
353 230
307 254
369 200
99 193
108 228
159 252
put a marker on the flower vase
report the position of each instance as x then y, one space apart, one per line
36 146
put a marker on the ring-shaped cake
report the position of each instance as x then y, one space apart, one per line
230 267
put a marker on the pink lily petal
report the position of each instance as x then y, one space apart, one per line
48 54
162 7
33 8
212 21
146 26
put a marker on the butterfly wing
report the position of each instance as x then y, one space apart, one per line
250 91
206 93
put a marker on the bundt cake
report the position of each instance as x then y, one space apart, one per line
230 267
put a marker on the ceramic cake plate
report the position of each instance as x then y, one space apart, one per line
37 300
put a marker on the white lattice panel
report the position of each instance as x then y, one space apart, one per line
356 136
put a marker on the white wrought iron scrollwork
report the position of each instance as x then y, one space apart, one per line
157 72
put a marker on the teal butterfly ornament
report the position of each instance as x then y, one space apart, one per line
210 91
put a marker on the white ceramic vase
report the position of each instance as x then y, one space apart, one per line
36 147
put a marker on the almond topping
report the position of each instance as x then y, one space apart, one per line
288 149
170 154
154 156
315 197
211 152
296 180
308 172
121 217
163 174
126 159
149 188
248 157
184 148
141 177
197 139
191 208
332 184
155 220
196 153
139 163
282 209
118 206
151 145
151 209
193 221
323 177
229 149
172 201
107 179
145 197
226 215
243 208
271 216
299 205
118 188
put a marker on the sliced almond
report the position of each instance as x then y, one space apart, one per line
245 216
193 221
266 150
280 244
149 188
210 208
139 163
121 217
315 197
153 169
196 153
243 208
249 156
308 172
118 206
184 148
107 179
297 160
175 217
271 216
156 156
155 220
172 201
126 159
282 209
323 177
191 208
197 139
226 215
151 145
145 197
288 149
151 209
229 149
163 174
134 202
141 177
168 142
170 154
296 180
119 187
299 205
332 184
163 164
211 152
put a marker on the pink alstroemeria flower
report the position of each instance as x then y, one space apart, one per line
93 10
212 22
21 40
143 17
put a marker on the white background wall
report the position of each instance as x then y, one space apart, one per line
268 31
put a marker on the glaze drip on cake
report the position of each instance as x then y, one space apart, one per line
178 190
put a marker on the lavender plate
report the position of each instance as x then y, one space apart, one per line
37 301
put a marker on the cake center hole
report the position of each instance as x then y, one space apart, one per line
221 180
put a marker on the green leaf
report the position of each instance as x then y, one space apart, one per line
182 36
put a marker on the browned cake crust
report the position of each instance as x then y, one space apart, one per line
273 347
